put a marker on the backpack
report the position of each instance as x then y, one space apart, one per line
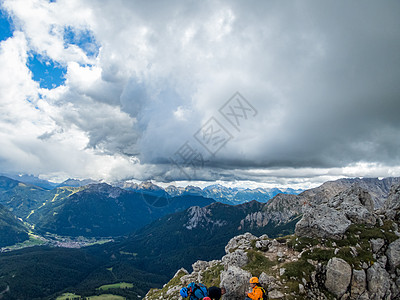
199 290
264 293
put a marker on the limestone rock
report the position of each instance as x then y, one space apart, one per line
263 244
357 204
377 244
200 265
358 283
236 282
378 282
393 254
323 221
237 258
268 282
274 294
392 205
338 276
242 242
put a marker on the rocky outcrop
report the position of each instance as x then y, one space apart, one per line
242 242
378 283
393 255
285 208
333 217
357 205
323 221
236 282
201 217
338 276
392 205
358 284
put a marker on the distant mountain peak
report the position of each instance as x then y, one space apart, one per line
77 182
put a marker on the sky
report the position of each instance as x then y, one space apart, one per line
257 93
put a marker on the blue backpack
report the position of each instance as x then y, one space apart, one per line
199 290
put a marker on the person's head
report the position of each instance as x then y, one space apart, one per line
184 292
253 281
223 290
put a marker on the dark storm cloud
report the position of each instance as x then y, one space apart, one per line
322 76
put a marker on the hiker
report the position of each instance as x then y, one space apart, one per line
194 290
258 292
215 293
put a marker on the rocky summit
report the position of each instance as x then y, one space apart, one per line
342 249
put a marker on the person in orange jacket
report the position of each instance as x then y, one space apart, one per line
258 292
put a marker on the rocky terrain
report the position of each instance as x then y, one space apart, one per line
343 248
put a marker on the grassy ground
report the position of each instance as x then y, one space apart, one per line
106 297
121 285
71 296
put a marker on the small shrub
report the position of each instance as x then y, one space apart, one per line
258 263
212 277
321 255
298 269
302 243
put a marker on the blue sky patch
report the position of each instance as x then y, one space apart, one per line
5 26
84 39
48 73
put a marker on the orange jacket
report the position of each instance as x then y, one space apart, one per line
256 293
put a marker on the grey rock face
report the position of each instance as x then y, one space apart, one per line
263 245
358 284
332 218
357 205
200 265
378 282
268 282
392 204
393 254
238 258
236 282
242 242
377 244
274 294
338 276
201 217
323 221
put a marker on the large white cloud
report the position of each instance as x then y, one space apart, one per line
322 76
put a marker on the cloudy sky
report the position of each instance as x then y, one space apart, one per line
283 93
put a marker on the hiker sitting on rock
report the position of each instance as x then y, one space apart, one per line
215 293
258 292
194 290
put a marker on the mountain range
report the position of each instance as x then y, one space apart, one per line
91 210
217 192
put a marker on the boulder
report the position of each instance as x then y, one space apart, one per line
338 276
378 282
200 265
358 284
242 242
263 245
268 282
377 244
236 282
274 294
323 221
237 258
393 254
